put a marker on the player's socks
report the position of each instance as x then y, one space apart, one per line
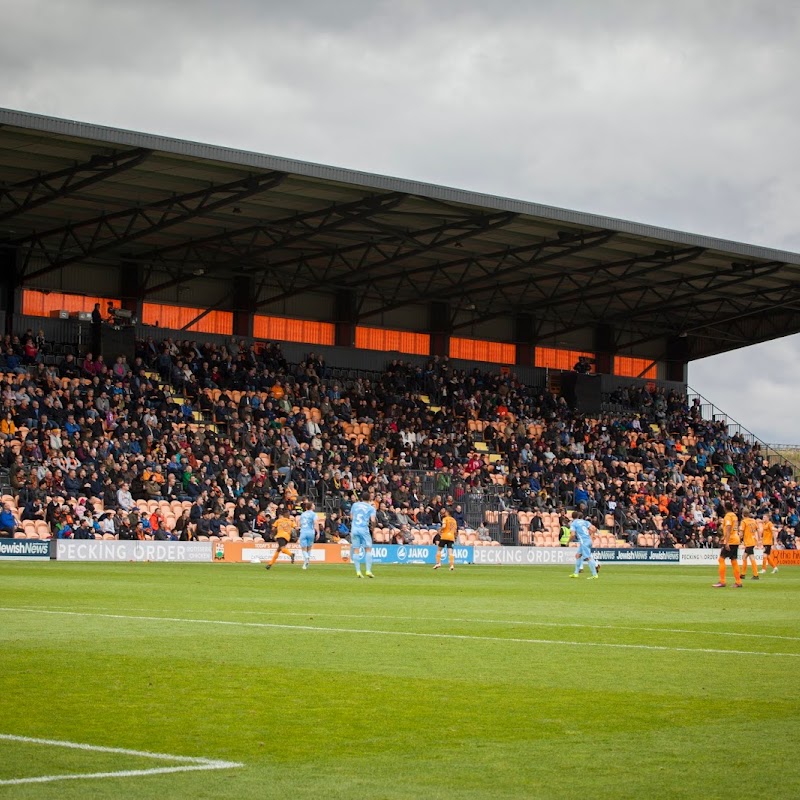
357 562
577 566
593 567
737 576
439 558
369 562
722 571
452 560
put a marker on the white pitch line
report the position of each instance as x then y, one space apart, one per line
479 620
453 636
130 773
532 623
96 748
194 763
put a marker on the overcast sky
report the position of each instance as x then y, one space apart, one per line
677 113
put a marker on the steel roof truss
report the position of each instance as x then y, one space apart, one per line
86 239
27 195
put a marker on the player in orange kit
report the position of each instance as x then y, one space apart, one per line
749 531
447 538
730 548
767 540
283 535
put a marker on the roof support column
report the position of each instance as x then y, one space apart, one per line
345 314
440 328
10 293
244 304
524 338
131 287
605 346
677 358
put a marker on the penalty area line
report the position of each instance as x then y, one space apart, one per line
414 634
190 763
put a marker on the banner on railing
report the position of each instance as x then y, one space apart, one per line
107 550
24 550
535 556
250 552
788 558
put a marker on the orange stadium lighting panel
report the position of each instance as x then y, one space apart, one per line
482 350
555 358
178 317
387 340
284 329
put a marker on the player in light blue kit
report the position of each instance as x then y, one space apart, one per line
308 531
582 531
362 520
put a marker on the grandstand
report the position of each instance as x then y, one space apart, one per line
293 329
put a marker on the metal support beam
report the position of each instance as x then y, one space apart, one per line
406 246
236 249
555 298
678 309
563 246
89 238
41 189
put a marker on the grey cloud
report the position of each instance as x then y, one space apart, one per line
680 114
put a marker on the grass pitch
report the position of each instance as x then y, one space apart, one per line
489 682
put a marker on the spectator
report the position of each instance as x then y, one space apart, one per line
125 498
8 522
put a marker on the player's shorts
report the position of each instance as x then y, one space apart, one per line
732 551
358 540
281 542
585 551
767 549
749 551
306 541
445 543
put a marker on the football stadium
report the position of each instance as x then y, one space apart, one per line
319 483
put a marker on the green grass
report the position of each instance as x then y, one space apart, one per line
558 713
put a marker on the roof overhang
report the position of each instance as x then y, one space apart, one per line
79 194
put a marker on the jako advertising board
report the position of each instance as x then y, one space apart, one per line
106 550
24 549
420 554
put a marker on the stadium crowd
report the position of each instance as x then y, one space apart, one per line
215 436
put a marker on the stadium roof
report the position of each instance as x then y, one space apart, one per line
73 193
